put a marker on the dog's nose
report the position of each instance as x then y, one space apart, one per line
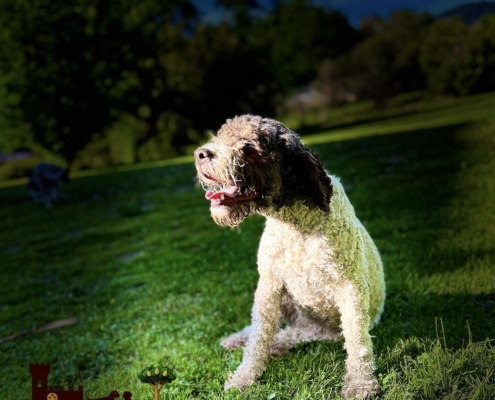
202 154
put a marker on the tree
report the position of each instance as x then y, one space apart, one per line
335 85
297 36
156 375
446 58
243 12
227 74
372 62
386 62
482 40
79 66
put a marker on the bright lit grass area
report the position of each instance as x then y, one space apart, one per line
137 259
409 111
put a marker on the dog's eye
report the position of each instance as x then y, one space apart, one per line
249 151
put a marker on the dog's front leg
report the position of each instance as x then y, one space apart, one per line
359 379
265 317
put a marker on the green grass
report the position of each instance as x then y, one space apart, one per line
407 112
137 259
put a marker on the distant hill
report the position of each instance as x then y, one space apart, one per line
469 13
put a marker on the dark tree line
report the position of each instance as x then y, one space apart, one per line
117 81
414 52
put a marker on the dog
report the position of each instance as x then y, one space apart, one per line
319 271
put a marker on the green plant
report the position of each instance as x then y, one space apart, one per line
156 375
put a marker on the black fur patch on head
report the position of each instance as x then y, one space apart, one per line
302 173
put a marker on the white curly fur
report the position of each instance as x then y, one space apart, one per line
320 271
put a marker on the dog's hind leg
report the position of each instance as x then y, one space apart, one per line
300 328
287 338
236 340
288 312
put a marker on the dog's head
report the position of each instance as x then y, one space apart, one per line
256 163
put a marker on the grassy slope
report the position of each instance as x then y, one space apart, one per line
136 257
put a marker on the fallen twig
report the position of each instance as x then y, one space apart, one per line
46 327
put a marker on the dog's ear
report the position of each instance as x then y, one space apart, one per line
303 175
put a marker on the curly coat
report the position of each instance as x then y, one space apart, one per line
319 269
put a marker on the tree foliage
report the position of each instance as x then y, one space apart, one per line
414 52
81 63
482 38
460 60
298 36
229 76
103 83
386 62
156 374
446 58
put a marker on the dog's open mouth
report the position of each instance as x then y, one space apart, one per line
230 196
221 195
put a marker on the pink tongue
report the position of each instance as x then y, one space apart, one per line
231 192
211 195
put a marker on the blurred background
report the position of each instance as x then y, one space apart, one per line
91 84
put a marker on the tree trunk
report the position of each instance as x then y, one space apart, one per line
157 393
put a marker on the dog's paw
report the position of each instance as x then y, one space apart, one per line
279 349
239 380
360 388
235 341
231 343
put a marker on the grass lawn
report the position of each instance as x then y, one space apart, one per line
137 259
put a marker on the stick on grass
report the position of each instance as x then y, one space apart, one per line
42 328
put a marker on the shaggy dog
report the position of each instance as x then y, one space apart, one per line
320 271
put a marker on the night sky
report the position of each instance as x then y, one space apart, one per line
354 10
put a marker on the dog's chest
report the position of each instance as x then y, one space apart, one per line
304 262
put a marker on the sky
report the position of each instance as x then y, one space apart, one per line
354 10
